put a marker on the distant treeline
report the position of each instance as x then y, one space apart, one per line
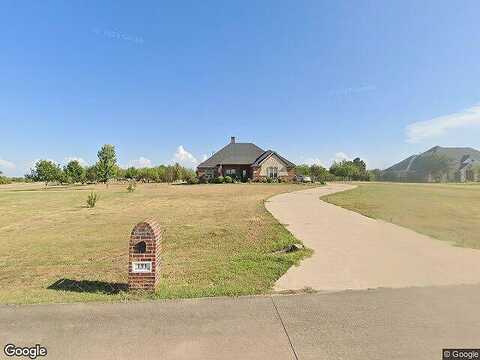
355 169
8 180
105 170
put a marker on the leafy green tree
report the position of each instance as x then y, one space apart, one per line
107 163
319 173
303 169
46 171
74 172
91 174
131 173
374 175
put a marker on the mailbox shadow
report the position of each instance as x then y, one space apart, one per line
88 286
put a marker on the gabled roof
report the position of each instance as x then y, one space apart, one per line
234 154
267 154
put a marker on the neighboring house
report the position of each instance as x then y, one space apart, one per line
438 164
246 161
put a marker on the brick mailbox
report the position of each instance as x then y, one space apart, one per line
144 256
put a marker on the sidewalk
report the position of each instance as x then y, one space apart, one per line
370 324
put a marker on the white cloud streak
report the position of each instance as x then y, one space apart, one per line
141 162
184 158
72 158
340 156
422 130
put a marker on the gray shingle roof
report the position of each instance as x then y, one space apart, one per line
234 154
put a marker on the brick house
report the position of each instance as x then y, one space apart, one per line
246 161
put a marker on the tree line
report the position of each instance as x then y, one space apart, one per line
355 169
105 170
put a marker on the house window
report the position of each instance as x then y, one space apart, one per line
230 171
272 172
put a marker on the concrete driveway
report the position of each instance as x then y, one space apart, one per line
356 252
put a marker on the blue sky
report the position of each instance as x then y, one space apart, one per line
314 80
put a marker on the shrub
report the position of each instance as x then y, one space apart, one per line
220 180
228 179
203 180
269 180
92 199
193 181
4 180
132 185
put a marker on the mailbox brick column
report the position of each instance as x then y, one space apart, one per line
144 256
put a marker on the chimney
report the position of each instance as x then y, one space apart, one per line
232 140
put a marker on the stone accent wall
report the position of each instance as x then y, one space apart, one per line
274 161
144 246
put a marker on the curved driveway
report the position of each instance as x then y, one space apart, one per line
352 251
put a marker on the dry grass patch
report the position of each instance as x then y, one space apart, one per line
218 240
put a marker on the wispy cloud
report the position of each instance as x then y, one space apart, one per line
117 35
185 158
141 162
313 161
73 158
340 156
353 90
7 165
422 130
337 157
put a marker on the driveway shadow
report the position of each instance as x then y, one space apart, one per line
88 286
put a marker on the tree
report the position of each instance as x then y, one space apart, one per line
91 174
131 173
75 172
374 175
345 169
46 171
319 173
303 169
107 163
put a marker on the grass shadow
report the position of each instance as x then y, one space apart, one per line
88 286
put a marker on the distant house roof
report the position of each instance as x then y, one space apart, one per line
241 154
234 154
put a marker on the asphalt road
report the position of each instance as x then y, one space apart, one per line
409 323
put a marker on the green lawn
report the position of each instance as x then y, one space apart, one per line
448 212
219 240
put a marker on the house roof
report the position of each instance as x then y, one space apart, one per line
234 154
267 154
